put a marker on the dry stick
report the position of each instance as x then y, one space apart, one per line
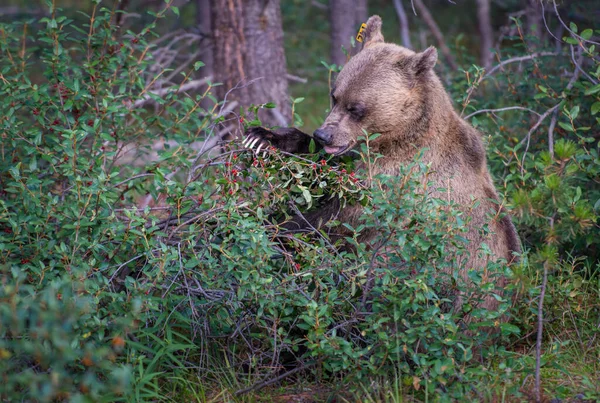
551 133
572 82
497 67
518 59
194 84
261 385
508 108
435 30
404 32
538 344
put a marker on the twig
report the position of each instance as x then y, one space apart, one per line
132 178
319 5
296 79
540 329
577 64
570 84
516 59
551 133
261 385
568 29
508 108
192 85
533 129
435 30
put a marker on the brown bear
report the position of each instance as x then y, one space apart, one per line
394 91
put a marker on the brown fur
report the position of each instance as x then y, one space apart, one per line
394 91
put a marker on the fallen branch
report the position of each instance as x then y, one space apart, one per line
268 382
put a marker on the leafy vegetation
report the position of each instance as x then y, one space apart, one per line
201 294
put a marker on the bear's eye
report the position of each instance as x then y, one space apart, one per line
356 111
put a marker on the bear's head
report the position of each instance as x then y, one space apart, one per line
382 89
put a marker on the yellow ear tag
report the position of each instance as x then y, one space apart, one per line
360 35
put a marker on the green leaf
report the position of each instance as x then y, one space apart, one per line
573 27
574 112
507 328
587 33
565 126
298 100
570 40
198 64
592 90
595 108
307 196
175 10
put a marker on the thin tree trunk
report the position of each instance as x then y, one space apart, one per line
403 18
203 20
249 59
484 24
342 16
435 30
534 19
266 58
362 12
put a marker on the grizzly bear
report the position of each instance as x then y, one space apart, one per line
391 90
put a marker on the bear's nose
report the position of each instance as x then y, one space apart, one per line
323 136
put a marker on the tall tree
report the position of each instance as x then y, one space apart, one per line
484 24
345 17
249 59
533 11
435 30
403 18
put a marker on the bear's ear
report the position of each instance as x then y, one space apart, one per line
425 61
373 31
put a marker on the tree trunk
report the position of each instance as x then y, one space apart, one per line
435 30
249 59
345 17
484 24
203 20
361 14
403 19
534 19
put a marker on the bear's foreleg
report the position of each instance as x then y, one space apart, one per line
288 139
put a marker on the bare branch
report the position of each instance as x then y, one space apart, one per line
296 79
318 5
508 108
540 328
569 29
268 382
437 34
572 82
517 59
551 132
191 85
